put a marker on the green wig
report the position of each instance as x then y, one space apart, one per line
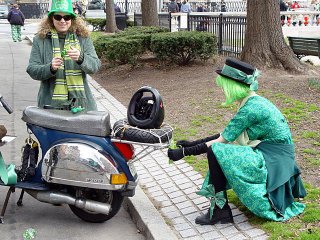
233 90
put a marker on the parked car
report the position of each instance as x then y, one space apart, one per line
4 10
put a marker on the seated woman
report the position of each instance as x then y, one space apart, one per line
260 167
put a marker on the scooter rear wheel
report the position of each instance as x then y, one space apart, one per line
112 197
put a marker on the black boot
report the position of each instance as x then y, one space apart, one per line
223 216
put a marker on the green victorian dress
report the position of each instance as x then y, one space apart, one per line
261 167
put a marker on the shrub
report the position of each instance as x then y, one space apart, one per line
126 46
99 43
119 50
142 32
95 35
183 47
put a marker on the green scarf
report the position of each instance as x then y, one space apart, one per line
69 82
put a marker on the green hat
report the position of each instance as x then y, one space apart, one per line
64 6
241 72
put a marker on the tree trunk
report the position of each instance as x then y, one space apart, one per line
265 46
149 11
111 26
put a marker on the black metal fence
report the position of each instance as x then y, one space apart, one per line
34 10
230 30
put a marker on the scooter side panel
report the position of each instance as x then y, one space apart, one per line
78 164
50 137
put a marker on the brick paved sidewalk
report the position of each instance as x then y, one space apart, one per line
172 187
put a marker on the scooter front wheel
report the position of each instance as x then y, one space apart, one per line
111 197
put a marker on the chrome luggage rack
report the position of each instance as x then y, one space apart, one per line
147 148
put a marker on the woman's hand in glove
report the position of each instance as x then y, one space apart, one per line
175 154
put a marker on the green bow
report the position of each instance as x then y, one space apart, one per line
216 198
252 80
241 76
7 174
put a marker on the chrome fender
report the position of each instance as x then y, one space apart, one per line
79 164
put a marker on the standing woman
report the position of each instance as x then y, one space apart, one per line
260 167
61 57
16 20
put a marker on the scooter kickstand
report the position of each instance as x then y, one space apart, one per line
11 189
19 203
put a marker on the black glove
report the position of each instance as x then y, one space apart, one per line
185 143
177 154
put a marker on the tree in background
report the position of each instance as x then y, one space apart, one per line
111 26
264 41
149 11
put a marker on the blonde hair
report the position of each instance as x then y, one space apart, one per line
232 89
78 27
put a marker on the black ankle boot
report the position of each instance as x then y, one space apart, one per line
223 216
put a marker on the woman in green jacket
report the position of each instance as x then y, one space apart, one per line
61 57
260 167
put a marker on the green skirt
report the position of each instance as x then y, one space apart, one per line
246 173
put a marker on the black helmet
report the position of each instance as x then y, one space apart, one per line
146 109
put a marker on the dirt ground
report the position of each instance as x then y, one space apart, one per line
190 91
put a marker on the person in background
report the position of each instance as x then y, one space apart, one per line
202 26
283 8
62 55
295 5
173 7
117 9
200 8
78 7
223 6
16 20
179 5
260 166
317 7
185 7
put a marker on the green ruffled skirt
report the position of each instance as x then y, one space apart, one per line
246 173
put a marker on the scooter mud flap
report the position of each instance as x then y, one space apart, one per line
7 174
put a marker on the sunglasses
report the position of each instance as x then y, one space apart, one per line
59 17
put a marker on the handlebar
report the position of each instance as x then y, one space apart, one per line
6 105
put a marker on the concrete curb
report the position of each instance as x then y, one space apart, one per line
147 218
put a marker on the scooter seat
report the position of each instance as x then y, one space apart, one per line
94 123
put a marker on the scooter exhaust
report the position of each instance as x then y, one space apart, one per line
65 198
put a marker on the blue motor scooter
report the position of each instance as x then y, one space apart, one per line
84 163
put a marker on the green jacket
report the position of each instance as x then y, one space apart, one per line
39 68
